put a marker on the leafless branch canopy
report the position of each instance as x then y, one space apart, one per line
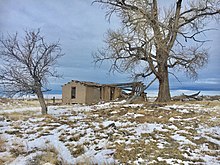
27 63
153 36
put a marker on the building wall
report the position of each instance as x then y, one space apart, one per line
88 94
105 93
117 93
110 93
80 93
93 94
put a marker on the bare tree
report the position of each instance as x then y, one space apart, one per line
26 65
154 38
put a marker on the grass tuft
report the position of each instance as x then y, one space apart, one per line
2 144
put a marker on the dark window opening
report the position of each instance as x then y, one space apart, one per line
73 92
112 90
101 93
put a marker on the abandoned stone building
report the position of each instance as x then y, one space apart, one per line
83 92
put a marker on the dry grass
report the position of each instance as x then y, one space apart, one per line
15 116
149 150
2 144
50 101
3 148
77 150
146 146
17 149
49 155
19 103
6 103
204 103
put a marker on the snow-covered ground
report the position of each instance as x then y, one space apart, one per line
111 133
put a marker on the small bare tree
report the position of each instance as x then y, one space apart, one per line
154 38
26 65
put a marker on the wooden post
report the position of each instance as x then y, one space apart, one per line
54 99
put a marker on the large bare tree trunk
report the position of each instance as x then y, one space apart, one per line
164 88
42 101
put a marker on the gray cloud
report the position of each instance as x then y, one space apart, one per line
80 27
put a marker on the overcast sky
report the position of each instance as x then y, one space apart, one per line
81 28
